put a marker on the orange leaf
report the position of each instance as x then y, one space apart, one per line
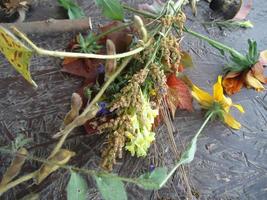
233 82
179 95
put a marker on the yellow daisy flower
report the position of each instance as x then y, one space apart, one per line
218 103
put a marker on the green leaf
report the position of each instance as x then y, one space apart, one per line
77 187
152 180
74 11
111 188
253 53
16 53
217 47
189 154
111 9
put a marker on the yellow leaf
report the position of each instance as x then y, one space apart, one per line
16 53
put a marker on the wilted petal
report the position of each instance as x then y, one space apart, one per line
251 81
258 72
230 121
233 82
263 57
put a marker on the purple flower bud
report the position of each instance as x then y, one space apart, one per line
103 110
151 168
101 69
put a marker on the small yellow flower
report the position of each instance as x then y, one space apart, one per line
152 93
218 103
142 134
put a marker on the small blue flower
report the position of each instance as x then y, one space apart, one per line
151 168
103 110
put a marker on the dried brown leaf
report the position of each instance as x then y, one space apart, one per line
122 39
15 167
61 157
76 105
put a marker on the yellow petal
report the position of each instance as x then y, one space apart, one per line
230 121
239 107
218 90
204 98
251 81
226 103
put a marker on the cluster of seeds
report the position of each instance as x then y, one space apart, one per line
178 20
170 48
115 140
142 57
118 128
130 95
160 85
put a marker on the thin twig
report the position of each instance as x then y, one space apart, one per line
50 26
12 184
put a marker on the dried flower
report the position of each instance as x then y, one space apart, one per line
245 71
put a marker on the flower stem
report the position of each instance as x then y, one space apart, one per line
29 176
18 181
180 162
146 14
216 44
77 55
177 6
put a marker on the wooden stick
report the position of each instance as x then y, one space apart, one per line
50 26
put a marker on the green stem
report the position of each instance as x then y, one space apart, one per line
177 6
181 161
61 54
4 188
146 14
29 176
215 43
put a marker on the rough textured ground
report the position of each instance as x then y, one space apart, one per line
228 165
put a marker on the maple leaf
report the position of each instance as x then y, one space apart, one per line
179 95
